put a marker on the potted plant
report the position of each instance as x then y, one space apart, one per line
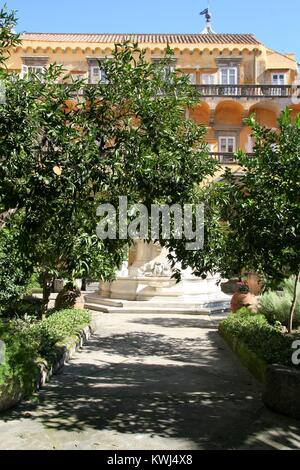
243 298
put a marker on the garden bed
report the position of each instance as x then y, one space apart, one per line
267 353
36 351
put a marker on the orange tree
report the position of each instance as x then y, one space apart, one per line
127 137
253 221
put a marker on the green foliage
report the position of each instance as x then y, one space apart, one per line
276 305
58 327
28 341
265 340
264 204
15 270
211 259
65 323
21 351
244 311
27 306
58 163
8 37
253 221
33 283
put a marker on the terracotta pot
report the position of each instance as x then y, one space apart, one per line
240 300
79 304
67 298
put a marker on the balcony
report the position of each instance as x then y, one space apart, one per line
226 158
249 91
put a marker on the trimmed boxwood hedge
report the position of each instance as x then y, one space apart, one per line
265 340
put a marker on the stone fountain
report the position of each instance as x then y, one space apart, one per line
144 284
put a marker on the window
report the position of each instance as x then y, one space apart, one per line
208 78
278 80
250 144
228 76
78 76
97 75
34 65
28 70
166 70
192 78
96 72
227 144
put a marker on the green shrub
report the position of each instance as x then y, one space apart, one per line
57 327
265 340
27 341
33 283
24 307
67 322
14 270
275 306
21 352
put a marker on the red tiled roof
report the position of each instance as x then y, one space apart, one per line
145 38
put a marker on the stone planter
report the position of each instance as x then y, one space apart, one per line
10 394
282 391
78 283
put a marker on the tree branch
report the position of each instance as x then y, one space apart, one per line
4 216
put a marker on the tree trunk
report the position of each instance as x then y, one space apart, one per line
293 306
83 284
46 294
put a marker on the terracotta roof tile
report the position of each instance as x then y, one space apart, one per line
145 38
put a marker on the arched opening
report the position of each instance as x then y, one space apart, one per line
229 113
295 110
266 114
200 114
228 124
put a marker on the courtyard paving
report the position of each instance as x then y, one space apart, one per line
150 382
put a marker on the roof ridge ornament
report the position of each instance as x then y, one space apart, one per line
208 29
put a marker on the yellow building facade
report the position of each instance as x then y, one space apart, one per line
235 74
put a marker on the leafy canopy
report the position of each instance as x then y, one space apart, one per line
66 147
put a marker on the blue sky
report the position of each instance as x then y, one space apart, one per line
274 22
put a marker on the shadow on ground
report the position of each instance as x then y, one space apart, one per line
147 383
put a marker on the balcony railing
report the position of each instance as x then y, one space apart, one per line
249 91
226 158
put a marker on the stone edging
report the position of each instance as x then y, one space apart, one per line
12 393
281 383
248 358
